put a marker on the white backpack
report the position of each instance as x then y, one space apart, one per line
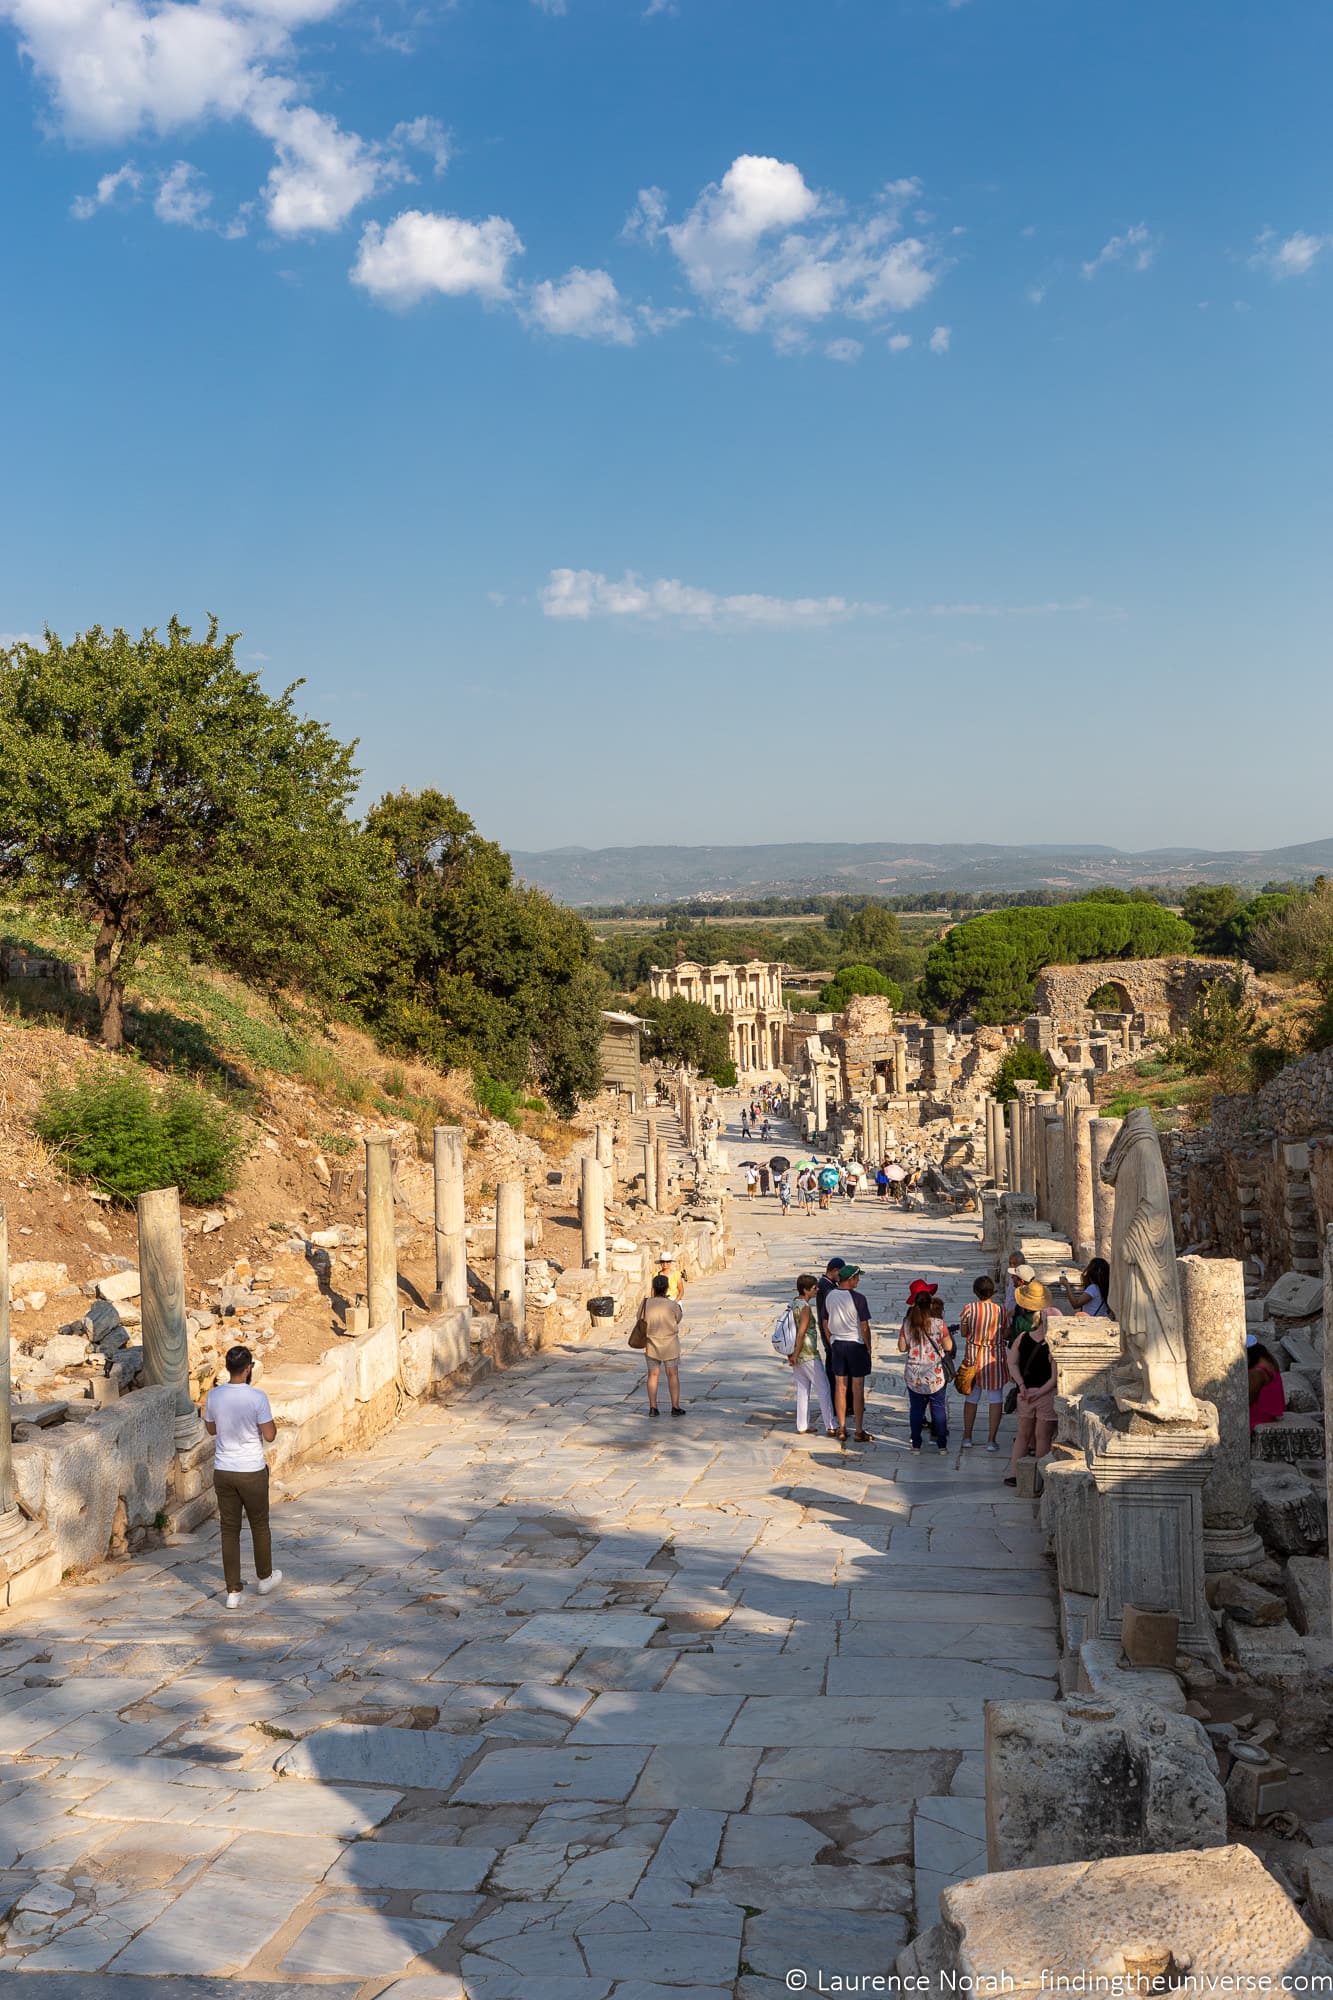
784 1334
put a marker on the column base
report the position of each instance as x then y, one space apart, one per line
189 1432
1230 1548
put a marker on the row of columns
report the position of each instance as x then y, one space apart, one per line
1053 1147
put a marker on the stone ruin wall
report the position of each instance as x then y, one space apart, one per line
1162 990
1257 1182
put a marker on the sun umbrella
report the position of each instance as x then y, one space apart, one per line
895 1173
779 1163
749 1163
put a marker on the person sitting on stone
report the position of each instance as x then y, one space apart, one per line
1089 1295
1268 1397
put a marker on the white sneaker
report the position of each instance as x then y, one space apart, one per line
992 1447
270 1582
967 1444
233 1600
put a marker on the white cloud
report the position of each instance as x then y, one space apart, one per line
1136 248
585 304
899 343
1289 256
767 252
583 594
419 253
108 187
844 350
115 69
940 339
424 135
181 197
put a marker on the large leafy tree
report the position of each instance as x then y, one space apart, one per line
871 938
685 1031
988 966
152 786
474 970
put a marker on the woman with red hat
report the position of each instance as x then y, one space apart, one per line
925 1341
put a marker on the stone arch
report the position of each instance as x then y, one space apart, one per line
1160 992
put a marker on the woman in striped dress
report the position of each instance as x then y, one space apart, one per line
982 1327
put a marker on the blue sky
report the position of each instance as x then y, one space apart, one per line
719 420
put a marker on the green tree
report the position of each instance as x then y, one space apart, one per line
988 966
1212 913
1021 1061
685 1031
1220 1037
474 970
857 979
153 788
871 938
1298 937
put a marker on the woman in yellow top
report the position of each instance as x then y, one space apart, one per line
666 1268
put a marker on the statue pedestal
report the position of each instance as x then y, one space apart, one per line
1083 1352
1150 1478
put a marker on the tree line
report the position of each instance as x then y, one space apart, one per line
155 791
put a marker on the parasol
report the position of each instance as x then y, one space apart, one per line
779 1163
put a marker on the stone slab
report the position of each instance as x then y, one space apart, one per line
399 1864
716 1780
361 1942
356 1754
912 1723
208 1931
815 1942
517 1777
588 1628
656 1718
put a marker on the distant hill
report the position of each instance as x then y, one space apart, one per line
892 868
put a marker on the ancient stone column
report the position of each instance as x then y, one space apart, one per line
821 1102
510 1263
6 1422
1001 1146
605 1140
1053 1135
1015 1145
381 1248
592 1214
166 1352
1075 1093
1043 1106
450 1220
1082 1236
1101 1134
663 1168
1212 1297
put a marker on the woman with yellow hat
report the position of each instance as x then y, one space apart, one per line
1032 1372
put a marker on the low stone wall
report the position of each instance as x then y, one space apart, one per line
109 1478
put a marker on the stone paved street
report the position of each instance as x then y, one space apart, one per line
557 1703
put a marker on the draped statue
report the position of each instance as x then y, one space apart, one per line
1151 1376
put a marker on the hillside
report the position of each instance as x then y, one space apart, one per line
304 1099
578 875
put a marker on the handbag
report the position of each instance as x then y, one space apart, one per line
964 1380
1011 1400
638 1335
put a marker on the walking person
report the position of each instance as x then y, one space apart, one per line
852 1180
1032 1372
660 1317
238 1416
829 1181
751 1182
668 1268
784 1192
806 1365
982 1327
763 1180
882 1182
847 1315
925 1341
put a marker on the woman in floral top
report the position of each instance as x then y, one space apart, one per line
982 1327
924 1341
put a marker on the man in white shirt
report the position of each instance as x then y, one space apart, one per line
847 1315
238 1416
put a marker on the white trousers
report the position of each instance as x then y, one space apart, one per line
810 1374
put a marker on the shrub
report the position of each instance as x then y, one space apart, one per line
1025 1062
851 980
123 1137
497 1098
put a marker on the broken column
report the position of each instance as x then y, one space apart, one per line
1212 1296
662 1174
381 1245
1043 1102
166 1350
1081 1214
510 1262
1075 1093
1053 1138
605 1142
450 1220
1101 1138
1001 1146
592 1214
1016 1145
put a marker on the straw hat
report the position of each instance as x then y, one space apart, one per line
1032 1296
